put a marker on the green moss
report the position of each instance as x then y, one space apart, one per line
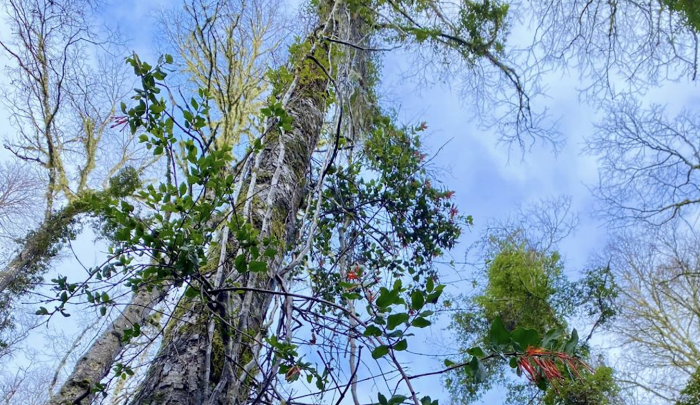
217 358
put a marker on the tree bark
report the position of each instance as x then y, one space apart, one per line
275 191
38 248
97 361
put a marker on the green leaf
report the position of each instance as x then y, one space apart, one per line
449 363
401 345
386 297
513 362
427 401
417 300
257 266
168 58
380 352
372 331
476 369
240 263
397 399
572 343
351 296
433 297
270 252
476 351
395 320
525 338
552 338
395 334
498 335
42 311
430 285
420 322
382 399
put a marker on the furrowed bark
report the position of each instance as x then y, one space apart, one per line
177 374
97 361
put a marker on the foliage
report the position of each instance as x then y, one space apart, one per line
657 320
180 222
521 288
689 9
528 294
690 395
590 388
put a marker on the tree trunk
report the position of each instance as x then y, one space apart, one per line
193 367
97 361
39 248
177 374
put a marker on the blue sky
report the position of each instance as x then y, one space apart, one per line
489 181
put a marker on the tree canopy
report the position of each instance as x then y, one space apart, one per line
269 229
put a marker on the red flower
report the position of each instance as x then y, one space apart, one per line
453 212
537 364
120 121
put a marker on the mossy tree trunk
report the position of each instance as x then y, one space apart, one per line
194 365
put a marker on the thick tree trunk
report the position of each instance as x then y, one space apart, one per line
189 366
177 374
194 365
97 361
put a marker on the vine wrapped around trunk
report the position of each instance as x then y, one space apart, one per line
194 366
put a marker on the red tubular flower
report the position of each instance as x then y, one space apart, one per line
537 364
120 121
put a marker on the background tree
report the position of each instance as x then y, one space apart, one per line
648 164
20 194
522 284
226 48
657 320
62 107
